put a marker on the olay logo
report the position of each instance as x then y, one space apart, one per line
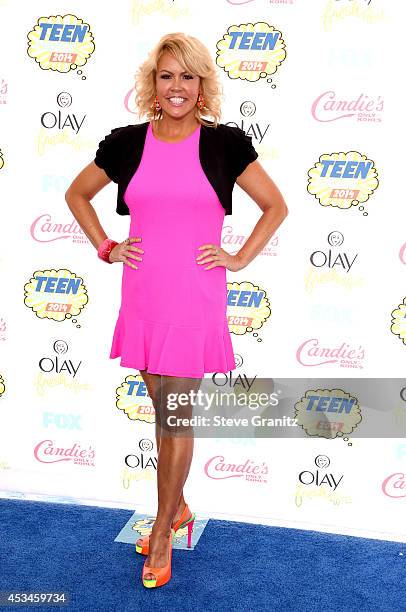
395 485
218 469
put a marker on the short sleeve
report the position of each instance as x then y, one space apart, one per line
108 155
241 149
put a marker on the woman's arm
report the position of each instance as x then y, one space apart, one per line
261 188
82 189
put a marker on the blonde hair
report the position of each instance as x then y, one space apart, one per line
193 56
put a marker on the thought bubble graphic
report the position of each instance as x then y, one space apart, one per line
134 401
251 51
143 526
398 326
343 179
60 43
55 294
248 307
328 413
2 385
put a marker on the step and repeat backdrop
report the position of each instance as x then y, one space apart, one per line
317 85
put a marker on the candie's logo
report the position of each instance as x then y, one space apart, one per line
247 308
60 43
251 51
328 413
55 294
343 179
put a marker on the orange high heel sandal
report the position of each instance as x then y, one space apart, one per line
186 518
162 574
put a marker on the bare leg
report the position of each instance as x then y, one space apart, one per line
153 384
174 459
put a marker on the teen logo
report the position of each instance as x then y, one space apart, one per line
61 43
251 51
2 386
133 399
343 180
60 120
329 107
328 413
248 308
55 294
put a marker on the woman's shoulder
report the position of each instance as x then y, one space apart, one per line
125 131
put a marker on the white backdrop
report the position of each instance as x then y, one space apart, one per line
321 98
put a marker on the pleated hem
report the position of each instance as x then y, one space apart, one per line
172 350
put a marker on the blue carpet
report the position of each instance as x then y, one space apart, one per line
49 547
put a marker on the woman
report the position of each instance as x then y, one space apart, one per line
175 174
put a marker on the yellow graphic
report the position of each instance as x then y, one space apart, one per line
315 278
359 9
60 43
328 413
2 385
133 399
47 140
45 382
142 8
129 476
305 492
251 51
1 159
343 179
144 527
248 307
55 294
398 326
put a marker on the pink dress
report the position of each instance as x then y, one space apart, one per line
172 318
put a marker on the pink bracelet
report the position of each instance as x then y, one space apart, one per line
105 249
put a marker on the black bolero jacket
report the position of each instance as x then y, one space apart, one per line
224 152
